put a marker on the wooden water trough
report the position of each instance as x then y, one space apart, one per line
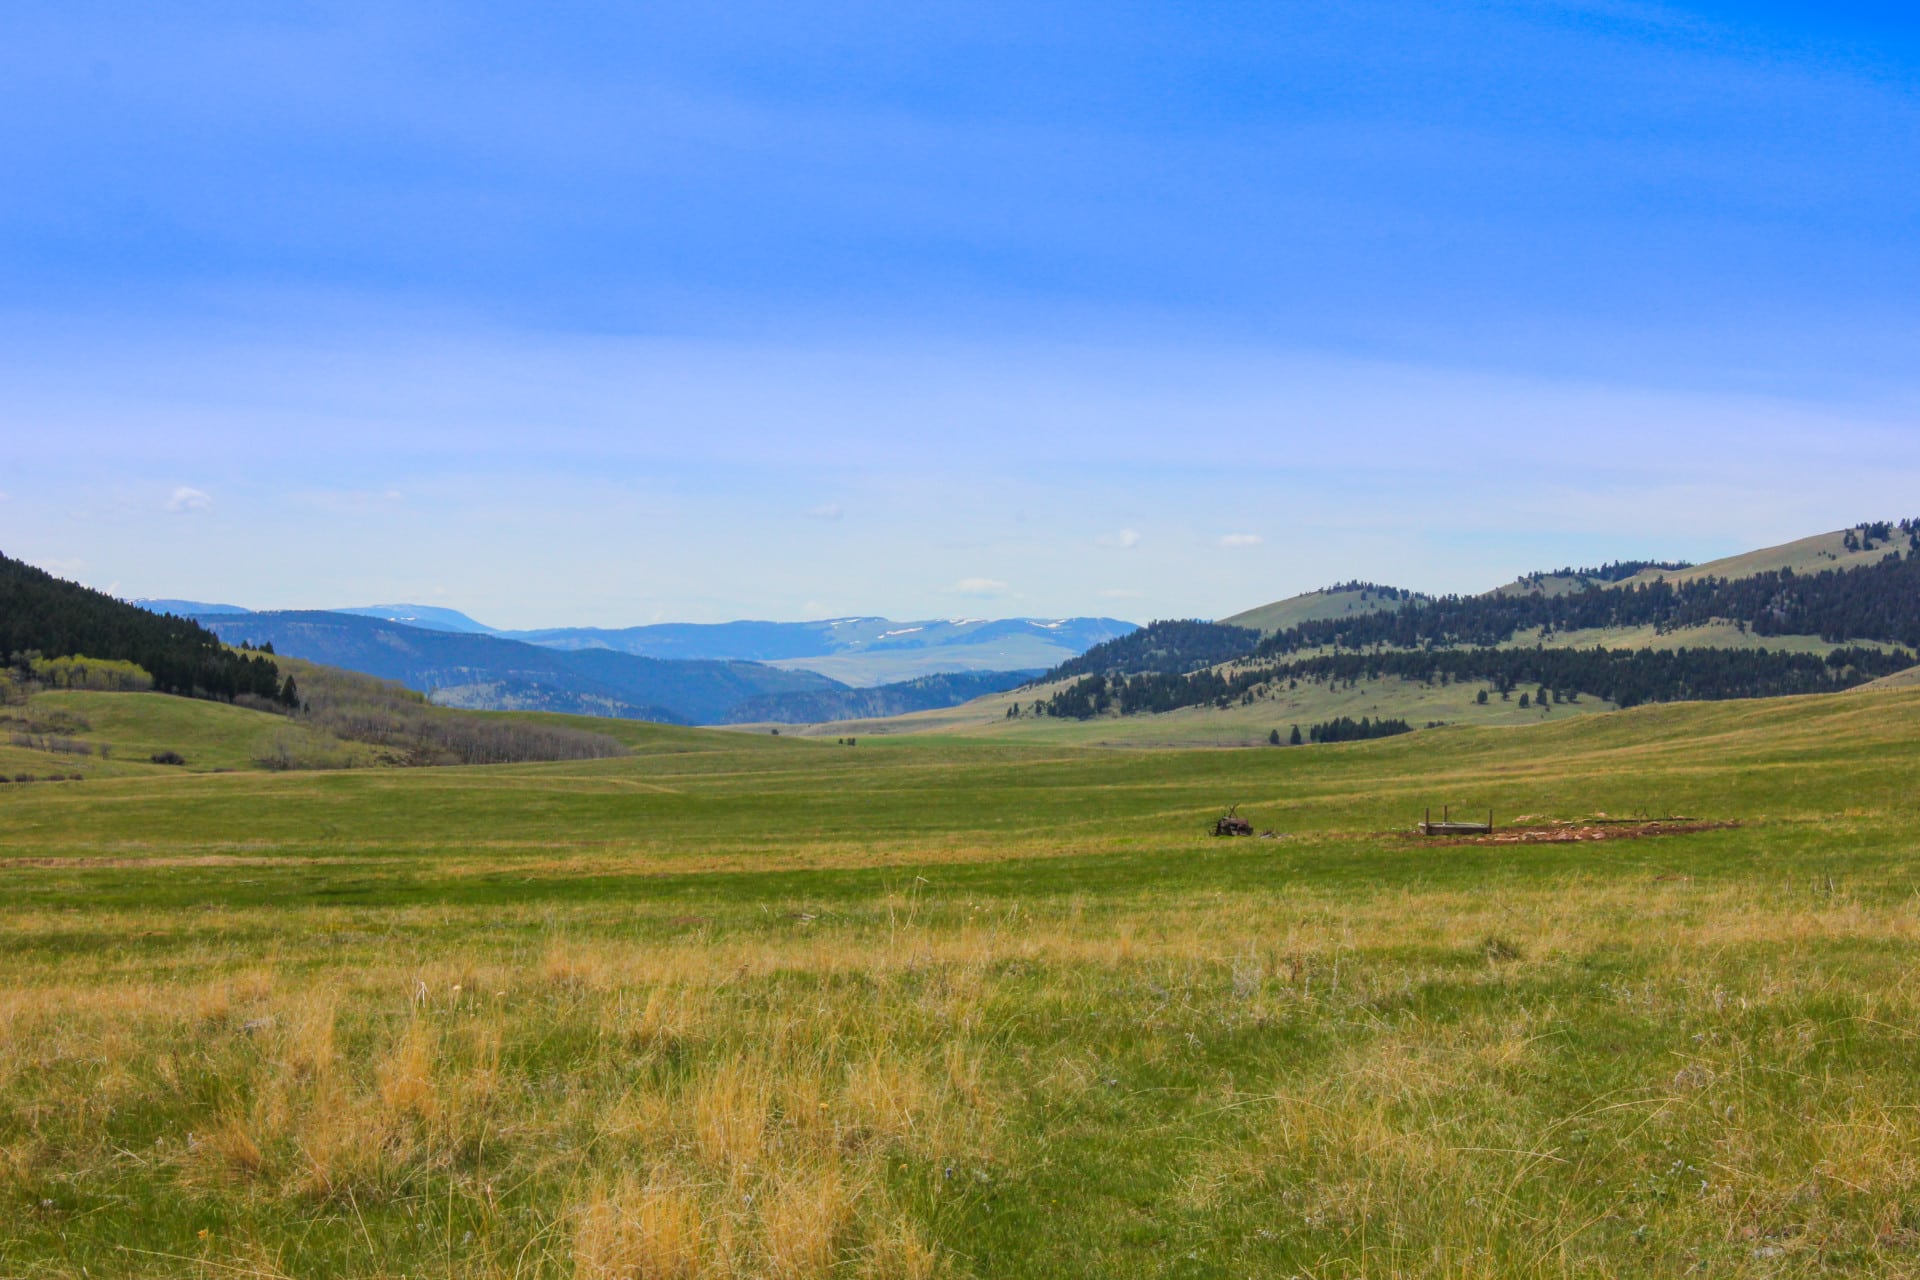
1448 827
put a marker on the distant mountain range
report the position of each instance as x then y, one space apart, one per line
424 616
741 672
860 652
924 694
492 673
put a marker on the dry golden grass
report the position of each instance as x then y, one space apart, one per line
1338 1056
734 1105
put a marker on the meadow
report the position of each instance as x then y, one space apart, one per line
738 1005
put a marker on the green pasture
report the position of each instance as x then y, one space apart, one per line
744 1005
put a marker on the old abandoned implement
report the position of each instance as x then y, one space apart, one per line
1231 823
1448 827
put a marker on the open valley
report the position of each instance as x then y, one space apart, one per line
737 1005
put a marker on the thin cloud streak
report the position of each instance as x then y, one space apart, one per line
186 499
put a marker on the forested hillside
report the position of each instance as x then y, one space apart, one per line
1167 647
1503 639
1624 677
1875 602
44 615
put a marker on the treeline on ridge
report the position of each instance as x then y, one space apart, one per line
1167 647
47 617
1879 602
1368 589
1611 571
1873 602
1625 677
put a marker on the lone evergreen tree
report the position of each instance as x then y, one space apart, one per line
1295 739
1273 739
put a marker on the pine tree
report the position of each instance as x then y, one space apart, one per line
1295 739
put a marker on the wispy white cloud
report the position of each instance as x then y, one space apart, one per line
978 587
826 511
1126 539
1122 593
1242 540
185 499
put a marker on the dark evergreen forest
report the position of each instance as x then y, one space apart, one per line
1611 571
1625 677
1168 647
1347 729
44 615
1458 638
1874 602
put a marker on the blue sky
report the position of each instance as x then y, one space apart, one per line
614 314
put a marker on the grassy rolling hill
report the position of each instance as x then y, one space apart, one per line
1315 606
742 1006
1908 679
348 721
1713 635
134 727
1803 555
1236 726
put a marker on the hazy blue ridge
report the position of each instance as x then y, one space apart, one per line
780 641
750 641
746 640
424 616
928 693
490 672
187 608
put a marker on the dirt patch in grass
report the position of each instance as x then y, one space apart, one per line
1571 832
